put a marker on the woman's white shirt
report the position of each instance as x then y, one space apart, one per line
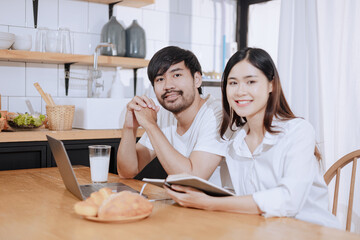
282 174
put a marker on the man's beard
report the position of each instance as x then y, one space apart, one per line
183 102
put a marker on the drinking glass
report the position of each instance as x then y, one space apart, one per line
40 41
52 41
99 162
65 41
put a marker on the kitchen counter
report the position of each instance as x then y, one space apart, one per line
74 134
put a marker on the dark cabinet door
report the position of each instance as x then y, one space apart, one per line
78 151
23 155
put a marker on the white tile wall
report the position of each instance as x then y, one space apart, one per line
150 48
190 24
12 79
85 43
202 31
4 28
47 14
185 7
180 30
98 16
206 54
44 74
12 12
156 25
204 8
26 104
166 6
74 15
4 103
125 15
127 78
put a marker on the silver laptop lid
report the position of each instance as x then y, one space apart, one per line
64 165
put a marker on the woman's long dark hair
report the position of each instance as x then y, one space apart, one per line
276 105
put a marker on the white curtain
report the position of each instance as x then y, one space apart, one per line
319 66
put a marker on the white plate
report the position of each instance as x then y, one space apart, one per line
118 220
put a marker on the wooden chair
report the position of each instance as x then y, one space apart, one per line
335 170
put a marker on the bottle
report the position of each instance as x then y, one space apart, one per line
135 41
113 32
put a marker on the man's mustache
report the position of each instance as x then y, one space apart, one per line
171 91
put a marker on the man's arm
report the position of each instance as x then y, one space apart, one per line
199 163
132 157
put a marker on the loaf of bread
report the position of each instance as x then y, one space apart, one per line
113 206
124 204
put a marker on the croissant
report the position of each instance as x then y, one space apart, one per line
90 206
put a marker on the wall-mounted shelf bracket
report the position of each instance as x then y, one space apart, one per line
111 7
35 11
67 76
135 80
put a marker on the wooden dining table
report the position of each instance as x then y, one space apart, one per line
34 204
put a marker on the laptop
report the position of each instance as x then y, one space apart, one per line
68 176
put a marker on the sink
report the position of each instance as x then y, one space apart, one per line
97 113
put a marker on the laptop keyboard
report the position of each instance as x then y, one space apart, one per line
86 190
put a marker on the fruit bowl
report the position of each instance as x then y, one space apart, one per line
25 121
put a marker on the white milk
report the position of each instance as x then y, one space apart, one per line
99 167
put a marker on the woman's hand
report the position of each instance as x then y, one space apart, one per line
188 197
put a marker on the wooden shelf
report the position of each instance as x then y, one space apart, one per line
61 58
126 3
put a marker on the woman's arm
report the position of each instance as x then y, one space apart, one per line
190 197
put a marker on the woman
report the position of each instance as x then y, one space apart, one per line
272 158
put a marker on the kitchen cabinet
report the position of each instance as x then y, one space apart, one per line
78 151
25 155
30 149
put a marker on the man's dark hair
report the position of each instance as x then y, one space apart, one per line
168 56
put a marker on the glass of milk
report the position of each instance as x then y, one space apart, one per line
99 162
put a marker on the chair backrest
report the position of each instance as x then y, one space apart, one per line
335 170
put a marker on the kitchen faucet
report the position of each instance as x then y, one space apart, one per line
95 73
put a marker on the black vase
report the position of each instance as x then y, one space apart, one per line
135 41
113 32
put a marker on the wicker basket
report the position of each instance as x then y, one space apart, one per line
60 117
2 123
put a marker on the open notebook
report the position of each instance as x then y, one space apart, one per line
191 181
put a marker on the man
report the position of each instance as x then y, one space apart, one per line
184 134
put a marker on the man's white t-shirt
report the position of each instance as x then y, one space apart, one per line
282 174
203 134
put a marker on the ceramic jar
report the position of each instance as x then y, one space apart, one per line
135 41
113 32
